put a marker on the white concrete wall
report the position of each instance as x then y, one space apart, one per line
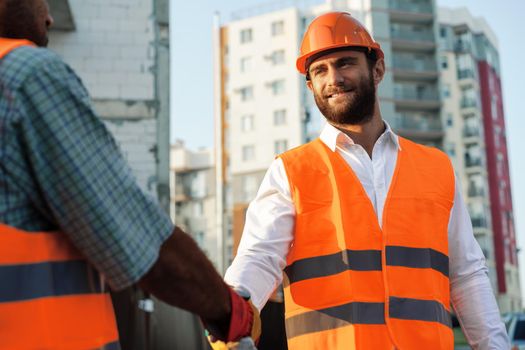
111 48
112 51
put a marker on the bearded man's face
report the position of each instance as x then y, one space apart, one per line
343 87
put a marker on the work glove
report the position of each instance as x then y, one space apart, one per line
244 328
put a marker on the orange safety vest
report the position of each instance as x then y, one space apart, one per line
350 284
50 297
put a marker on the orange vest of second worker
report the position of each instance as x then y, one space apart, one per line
50 297
350 283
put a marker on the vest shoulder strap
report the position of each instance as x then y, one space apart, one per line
8 45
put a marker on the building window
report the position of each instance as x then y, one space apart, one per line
451 149
280 146
278 57
247 122
199 238
444 62
277 87
445 91
246 93
277 28
198 209
279 117
450 119
248 153
246 35
246 64
443 32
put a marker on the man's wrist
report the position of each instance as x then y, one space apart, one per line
237 325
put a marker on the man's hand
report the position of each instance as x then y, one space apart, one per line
244 325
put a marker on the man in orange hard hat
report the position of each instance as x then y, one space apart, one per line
370 228
71 212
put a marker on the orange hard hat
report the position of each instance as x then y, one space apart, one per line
331 31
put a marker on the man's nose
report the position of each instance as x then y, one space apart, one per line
334 76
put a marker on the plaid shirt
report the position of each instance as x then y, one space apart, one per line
60 169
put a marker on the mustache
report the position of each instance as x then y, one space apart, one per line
337 90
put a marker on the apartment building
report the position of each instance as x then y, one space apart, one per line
267 109
475 139
192 178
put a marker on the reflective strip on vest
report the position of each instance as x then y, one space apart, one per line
366 313
366 260
319 266
419 258
31 281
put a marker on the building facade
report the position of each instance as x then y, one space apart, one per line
193 195
267 109
476 142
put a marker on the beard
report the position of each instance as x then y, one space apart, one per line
355 109
20 20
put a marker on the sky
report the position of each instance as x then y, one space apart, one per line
192 79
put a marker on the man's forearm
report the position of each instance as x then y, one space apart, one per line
184 277
478 313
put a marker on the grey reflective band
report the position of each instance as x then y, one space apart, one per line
335 317
326 265
48 279
417 258
366 313
420 310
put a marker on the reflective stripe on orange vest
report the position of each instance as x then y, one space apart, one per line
50 297
353 284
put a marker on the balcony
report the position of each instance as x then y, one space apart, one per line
411 35
408 10
479 222
181 193
413 97
417 126
410 6
471 132
410 68
474 191
466 74
472 162
407 39
462 46
468 102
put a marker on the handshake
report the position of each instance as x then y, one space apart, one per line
244 325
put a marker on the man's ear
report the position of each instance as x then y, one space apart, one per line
309 85
379 71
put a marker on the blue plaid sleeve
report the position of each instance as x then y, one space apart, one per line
87 185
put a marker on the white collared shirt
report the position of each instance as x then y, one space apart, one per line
268 233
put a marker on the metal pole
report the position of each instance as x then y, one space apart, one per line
219 137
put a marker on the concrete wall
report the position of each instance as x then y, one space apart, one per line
112 49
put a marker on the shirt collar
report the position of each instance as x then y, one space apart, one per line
333 137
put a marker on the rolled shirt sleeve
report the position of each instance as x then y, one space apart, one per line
470 290
268 233
84 182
